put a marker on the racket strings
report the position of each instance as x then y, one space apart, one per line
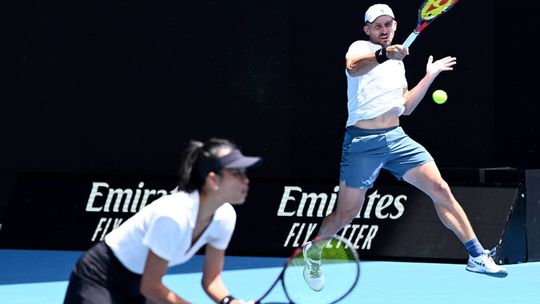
337 252
433 8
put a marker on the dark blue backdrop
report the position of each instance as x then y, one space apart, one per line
118 87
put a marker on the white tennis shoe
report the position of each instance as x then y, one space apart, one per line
312 270
484 264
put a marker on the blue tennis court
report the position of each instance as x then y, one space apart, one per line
40 276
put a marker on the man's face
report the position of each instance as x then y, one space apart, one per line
381 30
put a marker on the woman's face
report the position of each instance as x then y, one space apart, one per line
234 185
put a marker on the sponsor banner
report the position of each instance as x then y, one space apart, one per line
73 212
396 221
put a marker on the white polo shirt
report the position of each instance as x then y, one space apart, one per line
166 226
378 91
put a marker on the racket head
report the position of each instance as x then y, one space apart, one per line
340 265
431 9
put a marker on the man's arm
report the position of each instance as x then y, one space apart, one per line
358 65
433 69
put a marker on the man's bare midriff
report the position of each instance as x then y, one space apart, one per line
383 121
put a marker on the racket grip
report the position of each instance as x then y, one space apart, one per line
410 39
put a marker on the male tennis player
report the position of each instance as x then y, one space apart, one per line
378 95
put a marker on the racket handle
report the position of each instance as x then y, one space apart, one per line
410 39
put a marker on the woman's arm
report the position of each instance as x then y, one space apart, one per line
211 281
151 283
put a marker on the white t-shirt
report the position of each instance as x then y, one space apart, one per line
166 227
378 91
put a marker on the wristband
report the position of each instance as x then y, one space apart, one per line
380 55
226 300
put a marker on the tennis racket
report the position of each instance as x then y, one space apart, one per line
429 10
340 266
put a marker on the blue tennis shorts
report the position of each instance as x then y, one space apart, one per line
366 152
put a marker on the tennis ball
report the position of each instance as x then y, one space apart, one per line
439 96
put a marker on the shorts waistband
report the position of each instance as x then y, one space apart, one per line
357 130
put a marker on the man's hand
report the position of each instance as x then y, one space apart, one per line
445 64
396 52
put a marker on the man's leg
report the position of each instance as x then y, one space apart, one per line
349 203
427 178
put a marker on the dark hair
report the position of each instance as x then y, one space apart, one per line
199 159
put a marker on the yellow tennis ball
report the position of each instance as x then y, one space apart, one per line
439 96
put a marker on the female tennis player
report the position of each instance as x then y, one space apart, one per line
128 266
